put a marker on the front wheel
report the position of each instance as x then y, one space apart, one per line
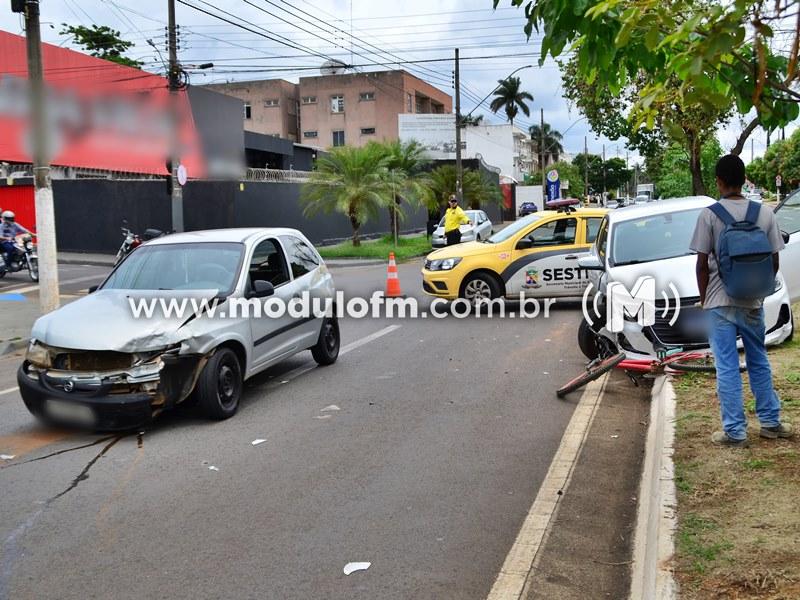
480 287
587 341
699 363
33 269
326 350
219 387
595 369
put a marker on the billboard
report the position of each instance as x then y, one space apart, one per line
436 133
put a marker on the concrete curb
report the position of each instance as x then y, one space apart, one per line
656 519
93 262
13 346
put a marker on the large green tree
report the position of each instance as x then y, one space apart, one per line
781 158
101 41
670 171
355 182
717 52
510 96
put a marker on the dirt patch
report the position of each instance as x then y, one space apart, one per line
738 509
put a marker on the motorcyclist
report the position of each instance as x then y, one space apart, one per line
9 229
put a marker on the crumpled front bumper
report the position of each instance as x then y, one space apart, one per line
96 402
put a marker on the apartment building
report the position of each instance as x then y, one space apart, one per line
270 105
334 110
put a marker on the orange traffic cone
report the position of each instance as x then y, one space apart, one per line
392 281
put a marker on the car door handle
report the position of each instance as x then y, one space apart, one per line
571 257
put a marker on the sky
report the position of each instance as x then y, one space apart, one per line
382 31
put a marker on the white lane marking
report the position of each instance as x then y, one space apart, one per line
297 371
521 559
33 288
8 390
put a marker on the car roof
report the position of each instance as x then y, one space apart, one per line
670 205
234 234
588 212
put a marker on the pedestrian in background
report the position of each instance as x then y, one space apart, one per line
454 218
731 314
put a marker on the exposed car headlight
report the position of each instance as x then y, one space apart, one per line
38 354
778 283
444 264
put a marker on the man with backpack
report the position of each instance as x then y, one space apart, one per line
737 243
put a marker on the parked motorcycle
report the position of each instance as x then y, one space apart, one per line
24 256
134 240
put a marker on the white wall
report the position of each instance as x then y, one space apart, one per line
529 193
494 143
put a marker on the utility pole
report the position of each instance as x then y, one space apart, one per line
604 170
541 151
176 191
752 150
459 170
43 191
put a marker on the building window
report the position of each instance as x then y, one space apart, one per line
367 131
271 102
337 104
338 138
247 112
420 106
409 102
309 100
309 134
366 96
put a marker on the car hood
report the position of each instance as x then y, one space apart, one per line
462 250
675 272
104 320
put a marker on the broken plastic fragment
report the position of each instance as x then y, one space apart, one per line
213 468
330 408
356 566
257 442
322 416
285 381
613 437
7 456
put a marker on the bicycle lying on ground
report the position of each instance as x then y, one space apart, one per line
666 361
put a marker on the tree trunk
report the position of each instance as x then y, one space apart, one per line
356 225
695 166
392 220
737 149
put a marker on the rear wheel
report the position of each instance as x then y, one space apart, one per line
326 350
219 387
699 363
587 341
595 369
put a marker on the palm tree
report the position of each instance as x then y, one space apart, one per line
509 96
471 120
552 142
355 182
441 182
405 162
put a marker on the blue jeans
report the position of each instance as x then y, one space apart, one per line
725 324
7 249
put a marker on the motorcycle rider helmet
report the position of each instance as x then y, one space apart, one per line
8 216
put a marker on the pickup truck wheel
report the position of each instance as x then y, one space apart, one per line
219 387
326 350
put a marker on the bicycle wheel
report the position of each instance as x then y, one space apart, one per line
699 363
592 372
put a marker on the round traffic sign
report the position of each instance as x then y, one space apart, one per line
778 181
552 175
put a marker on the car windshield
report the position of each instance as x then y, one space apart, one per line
654 237
513 229
195 266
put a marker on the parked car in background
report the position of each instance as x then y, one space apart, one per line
480 229
642 199
94 364
754 196
527 208
788 215
653 241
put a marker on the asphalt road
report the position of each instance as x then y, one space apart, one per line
444 432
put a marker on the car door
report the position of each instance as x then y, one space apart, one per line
788 217
486 225
274 335
544 262
304 263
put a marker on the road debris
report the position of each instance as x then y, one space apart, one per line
7 456
330 408
257 442
613 437
356 566
322 416
213 468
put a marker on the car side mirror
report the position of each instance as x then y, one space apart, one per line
261 289
590 262
524 244
785 237
93 289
